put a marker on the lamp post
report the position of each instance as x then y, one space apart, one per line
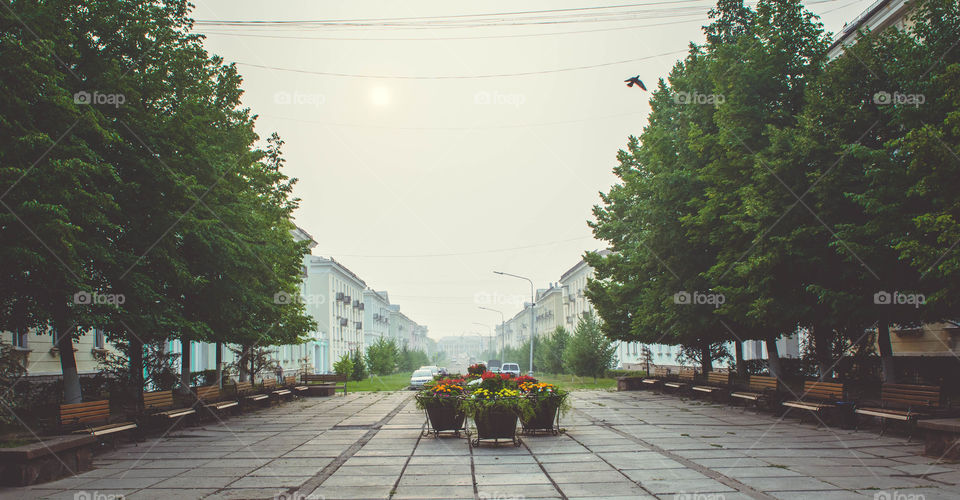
490 331
503 332
533 303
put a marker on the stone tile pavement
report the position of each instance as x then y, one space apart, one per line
617 445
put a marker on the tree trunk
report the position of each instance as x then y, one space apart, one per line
135 355
823 347
773 357
741 363
242 364
185 353
68 364
219 361
706 360
886 352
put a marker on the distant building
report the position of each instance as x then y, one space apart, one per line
376 316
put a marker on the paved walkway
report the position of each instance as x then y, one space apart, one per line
617 445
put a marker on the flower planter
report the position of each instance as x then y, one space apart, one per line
48 460
444 419
496 424
544 417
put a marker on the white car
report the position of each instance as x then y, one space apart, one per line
433 368
511 368
420 378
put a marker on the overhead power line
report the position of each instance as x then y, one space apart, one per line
478 252
219 22
247 34
459 77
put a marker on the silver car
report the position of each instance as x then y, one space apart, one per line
420 378
511 368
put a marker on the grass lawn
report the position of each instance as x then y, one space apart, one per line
395 382
571 382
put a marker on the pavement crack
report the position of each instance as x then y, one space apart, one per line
316 481
396 484
544 470
726 480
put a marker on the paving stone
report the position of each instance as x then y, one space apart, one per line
268 482
591 490
433 492
497 479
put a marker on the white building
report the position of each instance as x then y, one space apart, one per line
334 297
376 316
550 310
881 15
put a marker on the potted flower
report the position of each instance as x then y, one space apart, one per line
494 407
441 403
547 402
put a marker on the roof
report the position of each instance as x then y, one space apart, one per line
885 12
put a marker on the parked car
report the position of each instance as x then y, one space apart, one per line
511 368
420 378
434 369
444 371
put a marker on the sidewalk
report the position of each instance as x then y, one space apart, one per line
628 445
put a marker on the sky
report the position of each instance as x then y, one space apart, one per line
436 142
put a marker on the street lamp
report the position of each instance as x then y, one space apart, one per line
533 303
490 331
503 332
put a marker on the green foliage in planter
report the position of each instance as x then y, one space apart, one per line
480 401
440 394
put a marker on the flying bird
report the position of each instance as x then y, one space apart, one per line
635 81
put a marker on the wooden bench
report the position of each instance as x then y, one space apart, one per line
211 398
248 394
818 397
290 382
92 417
717 384
760 389
659 373
160 405
904 403
684 379
270 387
327 379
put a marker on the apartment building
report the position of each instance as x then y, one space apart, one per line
376 316
42 357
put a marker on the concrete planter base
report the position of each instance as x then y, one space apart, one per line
41 462
941 438
629 383
321 390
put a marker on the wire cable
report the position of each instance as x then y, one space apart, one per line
460 77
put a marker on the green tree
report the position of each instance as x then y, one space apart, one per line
344 366
589 352
382 356
359 365
549 350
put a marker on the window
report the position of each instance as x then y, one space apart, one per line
98 339
20 338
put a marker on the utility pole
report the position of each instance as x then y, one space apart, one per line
533 303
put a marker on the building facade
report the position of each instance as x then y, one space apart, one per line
376 316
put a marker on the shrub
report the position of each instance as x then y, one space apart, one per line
344 366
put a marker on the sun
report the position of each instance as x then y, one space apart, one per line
380 96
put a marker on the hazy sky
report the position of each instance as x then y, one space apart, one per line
424 186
